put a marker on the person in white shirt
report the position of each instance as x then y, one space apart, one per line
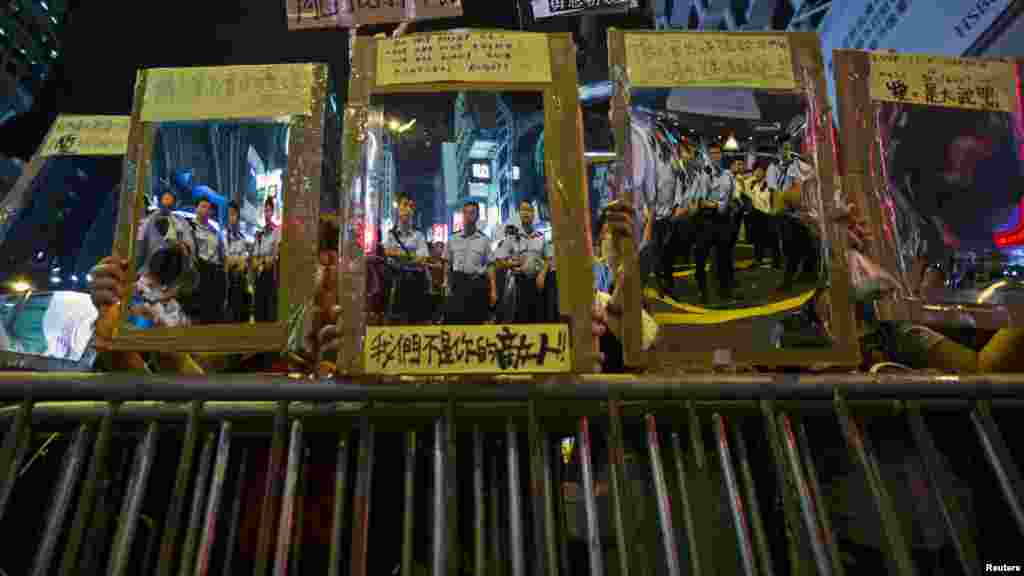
710 221
266 256
790 179
406 250
236 264
210 255
526 258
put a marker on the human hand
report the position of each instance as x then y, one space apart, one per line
108 287
540 281
493 299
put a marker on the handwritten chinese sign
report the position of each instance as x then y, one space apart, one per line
501 57
228 92
942 81
701 59
525 349
87 136
550 8
311 14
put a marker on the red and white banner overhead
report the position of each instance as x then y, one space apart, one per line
314 14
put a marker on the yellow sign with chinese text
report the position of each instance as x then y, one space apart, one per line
471 56
177 94
483 349
87 136
968 83
702 59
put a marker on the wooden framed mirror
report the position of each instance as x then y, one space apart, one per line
726 143
934 155
220 205
453 128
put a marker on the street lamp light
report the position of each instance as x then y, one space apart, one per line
21 286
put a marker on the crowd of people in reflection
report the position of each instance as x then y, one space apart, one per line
471 279
193 272
698 204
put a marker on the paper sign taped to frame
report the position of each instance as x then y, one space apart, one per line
484 349
667 59
967 83
483 57
87 136
224 92
313 14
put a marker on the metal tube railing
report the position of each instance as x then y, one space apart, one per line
524 536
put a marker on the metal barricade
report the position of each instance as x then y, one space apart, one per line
699 474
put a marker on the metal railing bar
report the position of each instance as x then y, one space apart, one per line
497 565
1000 460
286 519
195 519
128 521
272 490
169 545
255 387
619 496
479 511
940 482
16 443
409 504
300 509
209 533
340 498
700 485
545 554
592 534
785 493
687 506
113 488
63 492
231 544
362 500
439 549
554 459
334 417
736 505
451 458
746 476
860 450
550 529
668 534
515 507
818 498
807 504
97 479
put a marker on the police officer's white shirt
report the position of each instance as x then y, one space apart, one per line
718 188
530 248
414 242
237 245
268 245
209 244
469 254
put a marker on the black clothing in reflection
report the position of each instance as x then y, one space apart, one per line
800 248
468 301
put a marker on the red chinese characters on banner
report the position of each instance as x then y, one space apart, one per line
315 14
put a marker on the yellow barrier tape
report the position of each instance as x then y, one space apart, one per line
708 317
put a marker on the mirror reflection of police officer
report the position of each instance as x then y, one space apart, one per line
236 264
266 255
786 178
525 256
210 254
406 250
662 196
471 280
711 222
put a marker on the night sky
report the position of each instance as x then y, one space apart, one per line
107 41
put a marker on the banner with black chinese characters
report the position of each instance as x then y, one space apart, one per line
484 349
552 8
312 14
87 136
968 83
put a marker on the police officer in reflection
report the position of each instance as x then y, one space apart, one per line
266 255
406 250
236 264
210 265
786 178
525 256
711 222
471 280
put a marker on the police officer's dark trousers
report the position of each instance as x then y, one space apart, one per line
530 305
212 292
799 246
266 295
239 299
468 302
